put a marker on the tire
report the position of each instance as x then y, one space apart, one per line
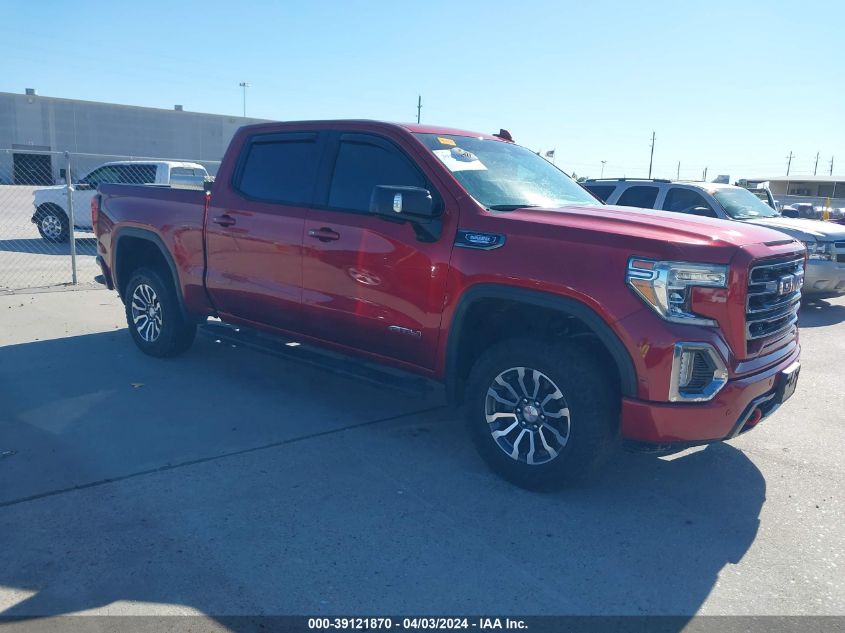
154 315
53 224
577 443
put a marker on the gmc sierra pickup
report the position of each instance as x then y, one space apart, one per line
561 324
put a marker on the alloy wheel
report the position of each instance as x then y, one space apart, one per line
146 312
527 415
51 226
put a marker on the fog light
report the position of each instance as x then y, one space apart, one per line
685 368
698 373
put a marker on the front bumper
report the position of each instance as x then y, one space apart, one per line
824 277
729 413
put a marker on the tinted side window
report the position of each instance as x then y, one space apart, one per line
639 196
602 192
135 174
684 200
281 170
92 178
186 171
361 165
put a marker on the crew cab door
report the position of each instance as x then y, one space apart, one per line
254 230
368 283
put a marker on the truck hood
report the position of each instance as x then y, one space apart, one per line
50 193
650 224
802 229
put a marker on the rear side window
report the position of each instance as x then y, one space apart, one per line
136 174
639 196
280 168
186 171
602 192
364 162
684 200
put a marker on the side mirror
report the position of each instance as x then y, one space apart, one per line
402 202
704 212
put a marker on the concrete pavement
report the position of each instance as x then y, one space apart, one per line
229 482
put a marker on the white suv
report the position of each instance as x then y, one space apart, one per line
825 242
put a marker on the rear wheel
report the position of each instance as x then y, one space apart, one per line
541 415
52 224
154 315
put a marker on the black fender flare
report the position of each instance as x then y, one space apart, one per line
598 326
154 238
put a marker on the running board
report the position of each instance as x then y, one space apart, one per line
334 362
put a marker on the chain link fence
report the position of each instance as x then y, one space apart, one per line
46 237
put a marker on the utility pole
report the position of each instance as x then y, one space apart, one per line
704 178
831 165
817 164
602 168
419 107
679 171
789 163
244 85
651 158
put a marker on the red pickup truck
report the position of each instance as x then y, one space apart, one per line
561 324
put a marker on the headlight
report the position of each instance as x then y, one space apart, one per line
666 286
819 250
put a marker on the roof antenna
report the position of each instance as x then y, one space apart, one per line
504 135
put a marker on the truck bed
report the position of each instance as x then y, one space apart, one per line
174 215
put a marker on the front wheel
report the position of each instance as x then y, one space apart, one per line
53 225
541 415
154 315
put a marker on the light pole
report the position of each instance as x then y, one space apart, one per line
244 85
602 168
651 157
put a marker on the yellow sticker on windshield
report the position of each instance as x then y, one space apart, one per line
445 141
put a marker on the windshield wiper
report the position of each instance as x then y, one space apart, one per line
511 207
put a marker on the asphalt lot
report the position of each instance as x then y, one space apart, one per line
229 482
26 260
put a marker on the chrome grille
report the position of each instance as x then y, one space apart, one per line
774 297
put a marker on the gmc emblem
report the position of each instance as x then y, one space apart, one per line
787 284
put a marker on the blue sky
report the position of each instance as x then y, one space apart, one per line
731 86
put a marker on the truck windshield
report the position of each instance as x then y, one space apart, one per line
503 176
741 204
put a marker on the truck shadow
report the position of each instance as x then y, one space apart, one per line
395 517
37 246
820 313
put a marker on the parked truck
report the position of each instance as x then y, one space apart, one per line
51 216
560 324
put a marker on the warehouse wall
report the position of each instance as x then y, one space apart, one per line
32 122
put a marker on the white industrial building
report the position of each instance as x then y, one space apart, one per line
825 191
33 129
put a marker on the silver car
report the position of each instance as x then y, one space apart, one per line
825 241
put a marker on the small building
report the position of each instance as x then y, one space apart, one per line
820 191
36 130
